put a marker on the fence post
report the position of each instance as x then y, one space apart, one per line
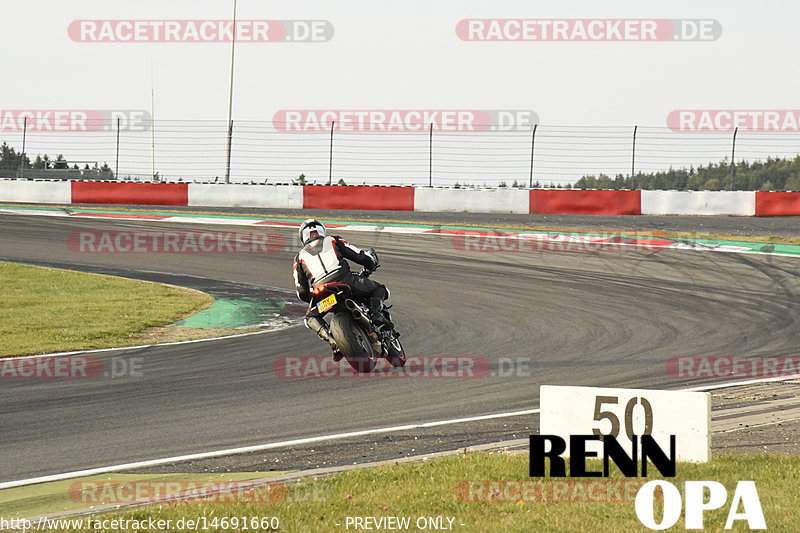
633 158
116 165
330 156
733 154
228 155
430 157
533 140
230 100
153 133
24 138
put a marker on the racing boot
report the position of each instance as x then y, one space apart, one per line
378 314
319 326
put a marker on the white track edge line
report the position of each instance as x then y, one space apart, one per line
248 449
309 440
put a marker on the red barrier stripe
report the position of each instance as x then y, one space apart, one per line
345 197
579 202
94 192
777 203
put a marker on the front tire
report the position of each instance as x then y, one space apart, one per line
397 355
355 345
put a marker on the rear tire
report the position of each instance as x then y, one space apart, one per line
355 345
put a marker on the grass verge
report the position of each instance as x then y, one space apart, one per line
441 488
108 489
50 310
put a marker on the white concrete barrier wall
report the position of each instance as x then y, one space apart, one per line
472 200
502 200
40 192
241 195
741 203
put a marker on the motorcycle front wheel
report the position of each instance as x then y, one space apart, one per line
397 355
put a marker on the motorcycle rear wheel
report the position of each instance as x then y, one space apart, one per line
353 342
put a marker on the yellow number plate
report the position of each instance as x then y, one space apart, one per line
327 303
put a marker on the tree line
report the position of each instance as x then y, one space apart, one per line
774 174
11 159
770 175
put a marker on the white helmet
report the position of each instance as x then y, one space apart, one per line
311 229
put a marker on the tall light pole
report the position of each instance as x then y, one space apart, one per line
230 102
153 132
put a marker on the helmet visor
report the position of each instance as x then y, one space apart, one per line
311 232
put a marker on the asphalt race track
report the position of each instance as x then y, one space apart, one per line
606 318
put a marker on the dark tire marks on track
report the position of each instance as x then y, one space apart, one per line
587 319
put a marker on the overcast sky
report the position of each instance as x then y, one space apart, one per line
404 55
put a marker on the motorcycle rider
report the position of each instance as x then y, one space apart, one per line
323 259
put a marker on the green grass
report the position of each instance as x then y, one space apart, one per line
60 496
46 310
436 488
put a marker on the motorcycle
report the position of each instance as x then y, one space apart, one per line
358 339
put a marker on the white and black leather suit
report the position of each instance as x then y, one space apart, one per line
325 259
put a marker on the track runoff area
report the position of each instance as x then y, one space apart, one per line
570 418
